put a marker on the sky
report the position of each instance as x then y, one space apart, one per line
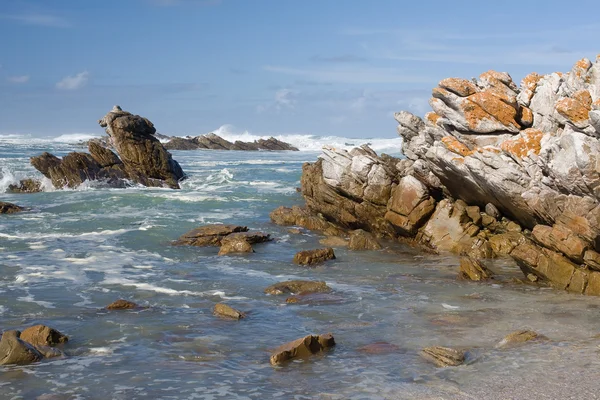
322 67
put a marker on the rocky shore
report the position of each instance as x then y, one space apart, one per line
495 169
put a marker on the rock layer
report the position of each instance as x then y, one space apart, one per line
492 162
212 141
141 159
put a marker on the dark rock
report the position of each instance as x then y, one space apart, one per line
297 287
9 208
26 186
178 143
302 348
312 257
42 335
208 235
225 311
252 237
122 305
443 356
16 351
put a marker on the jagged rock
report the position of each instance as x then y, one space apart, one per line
302 217
235 245
215 142
519 337
504 243
26 186
560 238
312 257
209 235
179 143
225 311
443 356
142 159
297 287
122 305
42 335
302 347
9 208
361 240
15 351
472 269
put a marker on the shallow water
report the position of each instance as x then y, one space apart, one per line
78 250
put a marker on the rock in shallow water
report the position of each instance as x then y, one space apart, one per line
472 269
9 208
209 235
297 287
225 311
443 356
312 257
122 305
302 348
15 351
42 335
520 337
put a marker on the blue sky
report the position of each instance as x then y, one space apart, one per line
323 67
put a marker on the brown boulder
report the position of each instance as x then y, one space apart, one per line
122 305
443 356
562 239
42 335
302 348
312 257
251 237
297 287
225 311
208 235
472 269
362 240
235 246
9 208
13 350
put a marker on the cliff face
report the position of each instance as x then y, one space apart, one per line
494 169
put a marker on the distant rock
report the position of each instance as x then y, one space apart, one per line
302 348
212 141
443 356
14 351
122 305
225 311
141 157
312 257
297 287
9 208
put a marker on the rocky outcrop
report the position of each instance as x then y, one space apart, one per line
213 141
9 208
141 159
297 287
225 311
313 257
302 348
495 169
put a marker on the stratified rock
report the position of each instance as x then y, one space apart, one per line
302 348
297 287
179 143
235 245
252 237
519 337
15 351
9 208
443 356
122 305
42 335
312 257
472 269
225 311
141 157
26 186
361 240
213 141
303 217
208 235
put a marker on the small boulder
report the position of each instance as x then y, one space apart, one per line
297 287
236 245
519 337
312 257
362 240
472 269
251 237
26 186
42 335
13 350
122 305
225 311
208 235
492 211
302 348
443 356
9 208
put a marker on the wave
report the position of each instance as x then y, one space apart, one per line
26 139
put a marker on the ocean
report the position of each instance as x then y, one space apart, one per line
76 251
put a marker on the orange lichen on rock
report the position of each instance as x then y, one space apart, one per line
459 86
530 82
582 66
486 105
526 117
455 146
577 108
432 117
596 104
528 141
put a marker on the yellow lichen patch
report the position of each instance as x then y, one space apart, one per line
455 146
486 105
432 117
526 116
458 160
584 97
582 66
530 82
495 75
528 141
459 86
440 93
491 149
574 110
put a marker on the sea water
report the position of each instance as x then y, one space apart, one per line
77 250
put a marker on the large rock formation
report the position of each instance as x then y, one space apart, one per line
528 155
212 141
141 157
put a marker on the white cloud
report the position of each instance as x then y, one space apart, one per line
73 82
18 79
46 20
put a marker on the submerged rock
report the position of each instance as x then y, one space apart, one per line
472 269
122 305
9 208
225 311
42 335
15 351
26 186
302 348
141 159
443 356
519 337
312 257
297 287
